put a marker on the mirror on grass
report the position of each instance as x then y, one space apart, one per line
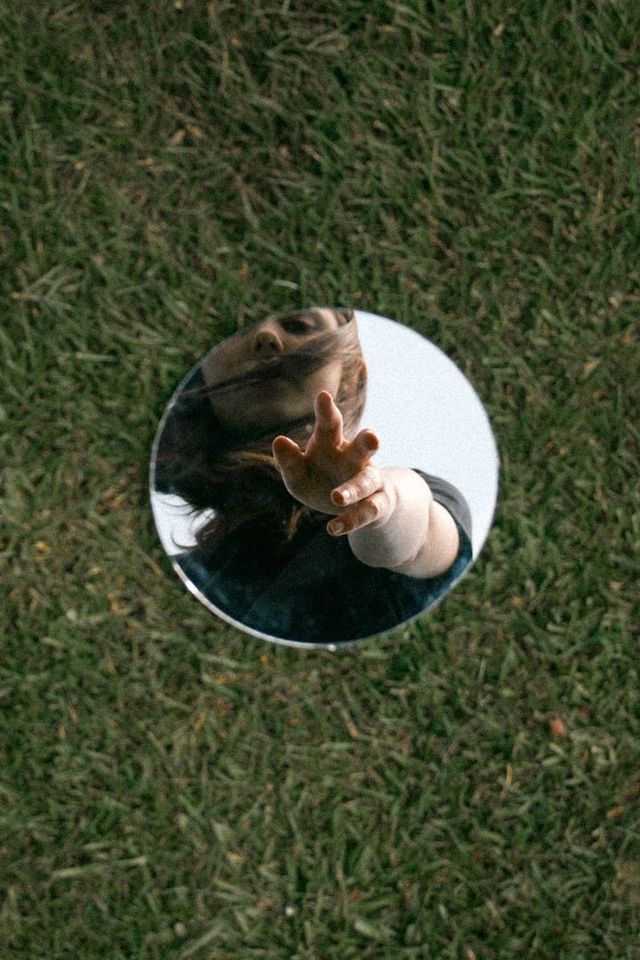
323 477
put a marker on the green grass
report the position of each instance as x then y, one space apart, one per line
169 787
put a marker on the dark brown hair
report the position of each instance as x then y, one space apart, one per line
235 474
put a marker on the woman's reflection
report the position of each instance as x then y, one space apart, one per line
266 435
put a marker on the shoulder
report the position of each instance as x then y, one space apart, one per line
451 499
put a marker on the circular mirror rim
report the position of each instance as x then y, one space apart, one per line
361 316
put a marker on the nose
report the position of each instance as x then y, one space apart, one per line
267 343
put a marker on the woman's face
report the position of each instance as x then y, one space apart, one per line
267 403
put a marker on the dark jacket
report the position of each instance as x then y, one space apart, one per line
318 591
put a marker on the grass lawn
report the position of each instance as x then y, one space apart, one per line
468 789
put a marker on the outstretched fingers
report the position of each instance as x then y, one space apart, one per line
332 474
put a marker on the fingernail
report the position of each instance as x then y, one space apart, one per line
337 528
345 495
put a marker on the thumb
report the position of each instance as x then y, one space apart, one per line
287 454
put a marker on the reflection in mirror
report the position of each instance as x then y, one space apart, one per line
322 477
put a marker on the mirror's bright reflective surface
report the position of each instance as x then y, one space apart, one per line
248 534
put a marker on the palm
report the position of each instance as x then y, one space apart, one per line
328 460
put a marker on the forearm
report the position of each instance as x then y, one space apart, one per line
416 537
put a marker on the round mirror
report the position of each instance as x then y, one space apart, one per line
377 431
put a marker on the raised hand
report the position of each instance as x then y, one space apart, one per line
334 475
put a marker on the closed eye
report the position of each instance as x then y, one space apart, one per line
297 326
